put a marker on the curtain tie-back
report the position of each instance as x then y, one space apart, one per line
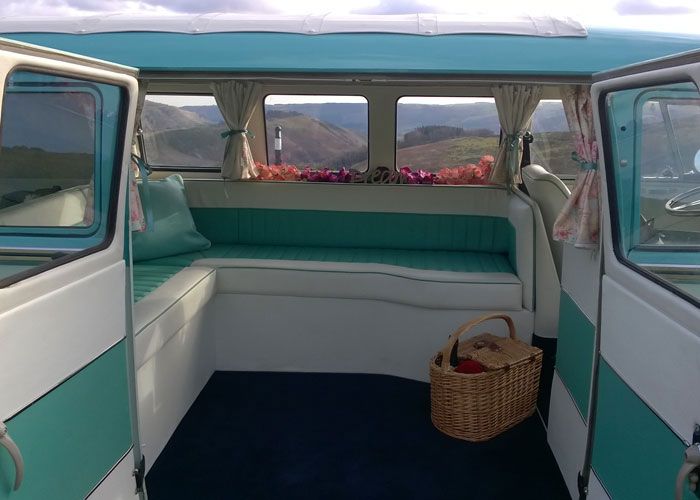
231 132
512 140
583 164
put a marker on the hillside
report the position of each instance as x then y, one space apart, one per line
309 141
448 153
353 116
334 134
157 116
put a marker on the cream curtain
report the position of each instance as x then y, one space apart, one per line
515 105
578 222
237 102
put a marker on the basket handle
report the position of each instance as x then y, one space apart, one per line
454 338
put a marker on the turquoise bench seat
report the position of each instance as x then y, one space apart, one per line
148 277
432 242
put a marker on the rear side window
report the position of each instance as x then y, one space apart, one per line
315 137
183 131
450 137
61 141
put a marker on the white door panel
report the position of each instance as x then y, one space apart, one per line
66 384
60 332
640 344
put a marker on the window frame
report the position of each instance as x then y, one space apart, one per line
369 123
612 195
59 257
172 168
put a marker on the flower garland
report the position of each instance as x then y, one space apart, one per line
474 174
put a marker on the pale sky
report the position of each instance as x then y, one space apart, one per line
682 16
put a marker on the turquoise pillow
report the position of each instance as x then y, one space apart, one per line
173 230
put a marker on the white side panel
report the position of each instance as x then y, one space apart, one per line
655 356
169 382
595 489
520 215
469 200
580 271
60 332
163 312
547 285
273 333
425 289
566 434
119 484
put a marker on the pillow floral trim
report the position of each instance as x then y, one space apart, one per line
469 174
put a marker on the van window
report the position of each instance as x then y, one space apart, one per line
655 145
552 143
314 137
445 134
61 142
182 131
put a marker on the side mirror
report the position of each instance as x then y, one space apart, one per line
696 161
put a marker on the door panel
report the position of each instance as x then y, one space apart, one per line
65 337
61 332
647 404
73 435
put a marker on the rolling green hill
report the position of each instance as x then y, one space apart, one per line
307 141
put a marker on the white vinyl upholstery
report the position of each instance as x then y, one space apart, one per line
401 285
174 355
550 193
159 315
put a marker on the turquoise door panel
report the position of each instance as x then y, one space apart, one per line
575 349
635 455
73 436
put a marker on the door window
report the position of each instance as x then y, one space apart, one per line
60 151
654 136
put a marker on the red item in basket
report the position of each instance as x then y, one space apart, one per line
470 366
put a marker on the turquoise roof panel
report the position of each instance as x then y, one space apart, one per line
369 53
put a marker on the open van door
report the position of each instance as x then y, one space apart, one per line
645 407
67 419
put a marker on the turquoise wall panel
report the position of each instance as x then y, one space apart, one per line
355 229
575 347
73 435
635 455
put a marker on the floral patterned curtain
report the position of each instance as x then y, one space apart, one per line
578 222
515 105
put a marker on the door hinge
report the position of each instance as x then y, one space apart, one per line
140 474
582 484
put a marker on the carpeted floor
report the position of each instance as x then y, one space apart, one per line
335 437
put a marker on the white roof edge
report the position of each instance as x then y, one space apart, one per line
413 24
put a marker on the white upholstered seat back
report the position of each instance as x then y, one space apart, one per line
550 193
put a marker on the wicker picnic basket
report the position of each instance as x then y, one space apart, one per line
477 407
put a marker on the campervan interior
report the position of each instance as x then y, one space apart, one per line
276 254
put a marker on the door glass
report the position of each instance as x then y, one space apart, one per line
60 153
47 150
655 139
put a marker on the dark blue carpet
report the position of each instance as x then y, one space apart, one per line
335 437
